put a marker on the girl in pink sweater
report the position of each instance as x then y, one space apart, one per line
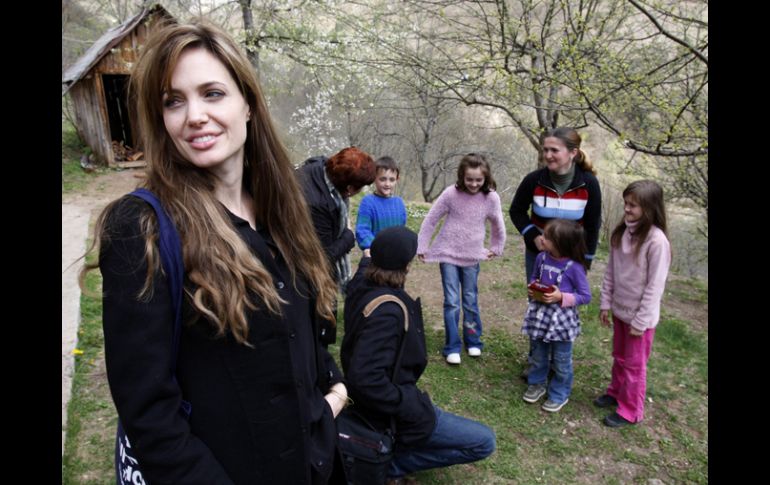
640 255
459 247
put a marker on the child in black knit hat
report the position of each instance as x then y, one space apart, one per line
393 249
426 436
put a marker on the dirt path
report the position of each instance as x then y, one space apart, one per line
77 211
425 281
74 226
104 188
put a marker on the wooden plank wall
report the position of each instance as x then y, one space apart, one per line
88 102
88 94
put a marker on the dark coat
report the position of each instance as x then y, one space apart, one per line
584 187
323 211
368 355
258 413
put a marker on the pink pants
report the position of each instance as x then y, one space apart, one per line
629 369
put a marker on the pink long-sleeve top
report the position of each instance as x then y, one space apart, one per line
461 239
633 287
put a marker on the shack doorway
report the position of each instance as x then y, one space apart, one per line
116 97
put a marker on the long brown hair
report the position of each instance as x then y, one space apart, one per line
475 160
217 261
571 139
649 195
568 239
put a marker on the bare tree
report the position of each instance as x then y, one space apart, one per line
653 94
639 70
251 42
80 26
500 54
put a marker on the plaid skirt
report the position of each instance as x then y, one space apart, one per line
550 322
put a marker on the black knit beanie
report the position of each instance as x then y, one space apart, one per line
393 248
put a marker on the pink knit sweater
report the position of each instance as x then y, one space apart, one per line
461 239
633 288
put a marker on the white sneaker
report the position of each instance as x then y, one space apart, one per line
453 358
474 351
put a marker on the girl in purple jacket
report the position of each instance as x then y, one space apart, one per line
640 256
559 284
459 247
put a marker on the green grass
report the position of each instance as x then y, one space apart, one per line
73 178
71 145
533 447
690 290
91 417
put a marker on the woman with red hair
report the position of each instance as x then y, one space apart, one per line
328 184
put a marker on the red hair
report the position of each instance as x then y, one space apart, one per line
351 166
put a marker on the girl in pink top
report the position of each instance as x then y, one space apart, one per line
640 256
459 247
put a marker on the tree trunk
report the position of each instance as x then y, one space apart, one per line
252 42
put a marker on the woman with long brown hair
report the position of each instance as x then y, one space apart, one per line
264 392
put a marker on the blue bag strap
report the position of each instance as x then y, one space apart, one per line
170 247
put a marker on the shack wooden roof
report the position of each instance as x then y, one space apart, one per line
102 46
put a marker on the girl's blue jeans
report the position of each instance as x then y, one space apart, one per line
560 386
460 285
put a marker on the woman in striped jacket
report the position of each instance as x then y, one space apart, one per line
566 188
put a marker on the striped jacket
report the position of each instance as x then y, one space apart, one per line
581 202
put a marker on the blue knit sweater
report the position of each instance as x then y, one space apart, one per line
375 214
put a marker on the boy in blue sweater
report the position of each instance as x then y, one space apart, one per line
381 209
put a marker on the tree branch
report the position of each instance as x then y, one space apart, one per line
663 31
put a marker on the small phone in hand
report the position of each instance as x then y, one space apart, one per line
540 290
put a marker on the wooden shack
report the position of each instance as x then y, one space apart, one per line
97 84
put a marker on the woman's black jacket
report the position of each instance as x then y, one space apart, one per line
258 413
323 211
